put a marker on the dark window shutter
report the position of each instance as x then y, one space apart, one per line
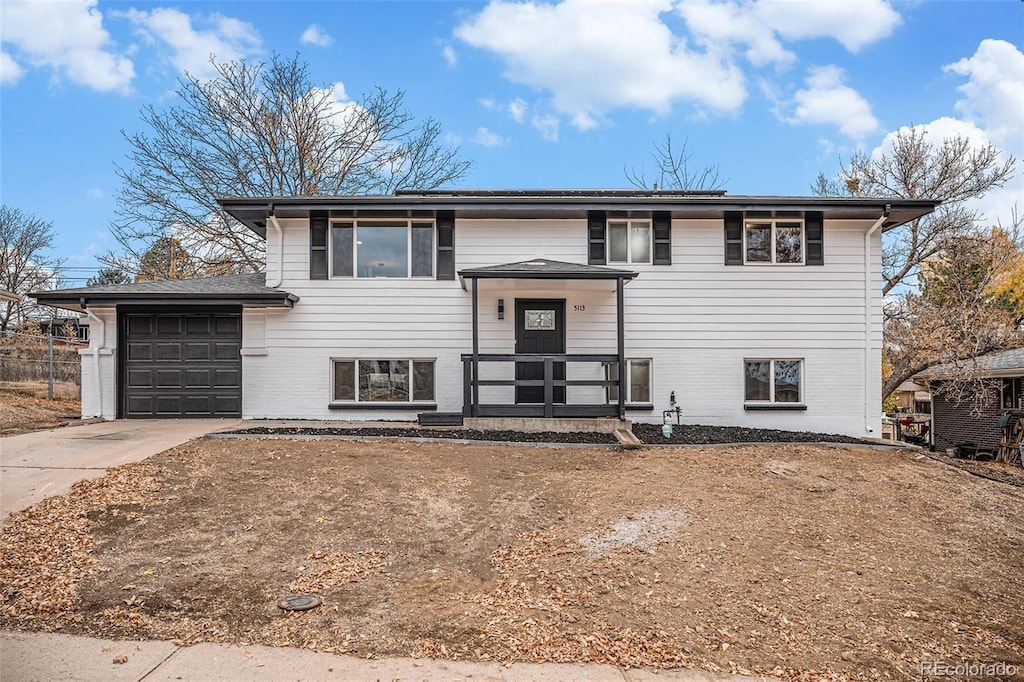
662 222
596 224
734 238
814 235
445 245
318 245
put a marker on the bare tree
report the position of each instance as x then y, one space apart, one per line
954 172
263 129
672 169
921 328
24 267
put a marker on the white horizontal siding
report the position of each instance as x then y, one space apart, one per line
697 319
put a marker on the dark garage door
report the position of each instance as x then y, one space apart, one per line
181 364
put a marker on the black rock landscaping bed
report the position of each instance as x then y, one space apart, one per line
586 438
689 434
648 433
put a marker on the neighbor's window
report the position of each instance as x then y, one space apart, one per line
773 381
382 248
774 241
638 381
383 380
629 241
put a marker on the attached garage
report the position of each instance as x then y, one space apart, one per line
178 347
181 363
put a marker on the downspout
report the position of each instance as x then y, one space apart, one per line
870 408
279 277
95 348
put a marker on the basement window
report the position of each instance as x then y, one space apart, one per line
399 381
773 382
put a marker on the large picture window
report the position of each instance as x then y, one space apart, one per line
629 241
774 241
382 248
638 381
383 380
773 381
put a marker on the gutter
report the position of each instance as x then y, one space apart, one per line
279 277
870 408
95 348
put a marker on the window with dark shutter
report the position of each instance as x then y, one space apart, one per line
733 238
662 221
596 238
318 245
445 244
814 235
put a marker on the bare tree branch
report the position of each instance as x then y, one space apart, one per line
672 169
262 129
24 267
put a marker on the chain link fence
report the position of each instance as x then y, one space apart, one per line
41 365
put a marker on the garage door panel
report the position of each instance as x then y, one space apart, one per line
198 350
227 378
169 325
183 364
227 351
140 351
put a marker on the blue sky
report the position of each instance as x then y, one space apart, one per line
539 95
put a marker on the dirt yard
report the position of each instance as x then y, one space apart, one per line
24 407
802 561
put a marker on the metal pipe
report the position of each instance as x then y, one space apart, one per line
279 277
870 407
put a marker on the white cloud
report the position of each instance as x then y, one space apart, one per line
853 24
577 51
546 125
94 193
67 37
487 138
826 100
517 109
314 35
225 38
716 23
10 71
449 55
993 96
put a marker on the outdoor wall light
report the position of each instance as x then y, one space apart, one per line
501 309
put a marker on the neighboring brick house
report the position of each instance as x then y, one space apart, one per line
975 419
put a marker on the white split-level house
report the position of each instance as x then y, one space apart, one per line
739 310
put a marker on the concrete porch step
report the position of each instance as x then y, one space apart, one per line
540 424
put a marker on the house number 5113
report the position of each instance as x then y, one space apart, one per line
579 308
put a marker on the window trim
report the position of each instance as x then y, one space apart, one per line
774 221
629 250
340 403
355 223
629 384
772 403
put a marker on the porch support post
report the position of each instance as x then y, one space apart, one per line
475 408
621 333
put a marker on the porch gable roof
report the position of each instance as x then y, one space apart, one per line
543 268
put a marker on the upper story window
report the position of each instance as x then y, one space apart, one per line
774 241
629 241
382 248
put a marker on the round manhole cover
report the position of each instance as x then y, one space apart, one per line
299 603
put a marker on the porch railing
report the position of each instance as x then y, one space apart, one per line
471 406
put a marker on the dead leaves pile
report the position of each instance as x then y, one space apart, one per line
336 570
46 550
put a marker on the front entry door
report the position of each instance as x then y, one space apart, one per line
540 328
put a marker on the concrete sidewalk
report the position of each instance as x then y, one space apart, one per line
30 656
44 463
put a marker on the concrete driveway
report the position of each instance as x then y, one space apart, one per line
44 463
